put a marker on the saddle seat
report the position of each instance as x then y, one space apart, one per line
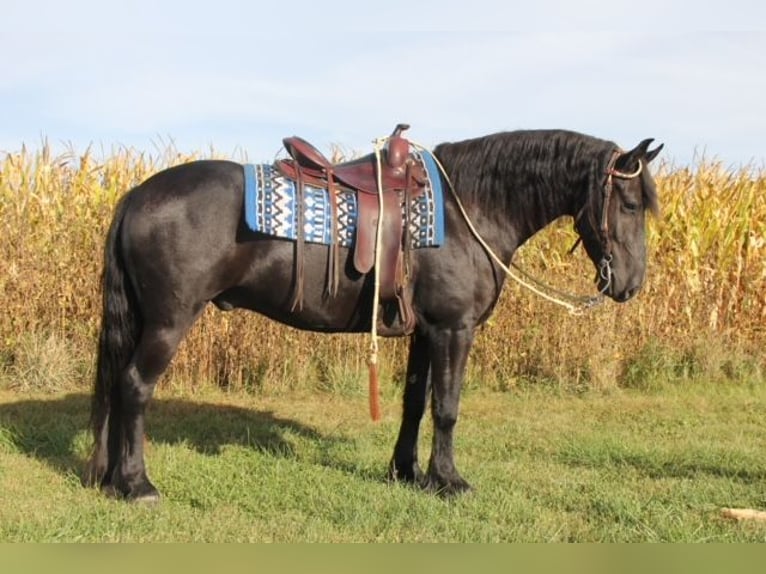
399 171
402 177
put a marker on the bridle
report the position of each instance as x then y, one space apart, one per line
605 263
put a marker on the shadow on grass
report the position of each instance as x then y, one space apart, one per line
56 430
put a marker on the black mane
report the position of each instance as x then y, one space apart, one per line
528 170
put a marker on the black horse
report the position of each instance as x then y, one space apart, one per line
178 242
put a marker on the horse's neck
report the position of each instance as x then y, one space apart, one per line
523 211
518 191
541 207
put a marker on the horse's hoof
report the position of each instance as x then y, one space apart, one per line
148 498
143 493
446 488
407 473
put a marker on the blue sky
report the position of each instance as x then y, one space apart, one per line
238 75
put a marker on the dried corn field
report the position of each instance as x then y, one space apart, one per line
702 311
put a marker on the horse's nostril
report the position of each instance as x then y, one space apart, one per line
630 293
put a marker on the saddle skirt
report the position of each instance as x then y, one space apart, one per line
271 208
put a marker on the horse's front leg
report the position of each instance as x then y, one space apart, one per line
449 352
404 464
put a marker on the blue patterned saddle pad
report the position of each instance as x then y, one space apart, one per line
270 208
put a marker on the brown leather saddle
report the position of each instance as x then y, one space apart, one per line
402 177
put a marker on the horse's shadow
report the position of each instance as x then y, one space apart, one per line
55 430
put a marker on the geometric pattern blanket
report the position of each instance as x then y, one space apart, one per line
270 208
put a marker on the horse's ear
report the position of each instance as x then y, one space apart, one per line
629 160
651 154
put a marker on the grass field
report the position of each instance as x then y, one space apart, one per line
546 466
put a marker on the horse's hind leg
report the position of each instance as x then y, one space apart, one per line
404 463
155 349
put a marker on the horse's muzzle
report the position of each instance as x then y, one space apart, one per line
626 294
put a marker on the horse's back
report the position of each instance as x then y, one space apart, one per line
199 194
201 180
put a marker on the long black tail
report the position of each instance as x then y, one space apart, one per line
120 325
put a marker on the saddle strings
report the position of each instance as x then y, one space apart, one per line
576 305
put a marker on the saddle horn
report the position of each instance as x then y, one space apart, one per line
399 129
398 147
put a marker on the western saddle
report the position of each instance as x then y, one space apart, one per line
402 177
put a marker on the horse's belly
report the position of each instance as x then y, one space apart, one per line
334 315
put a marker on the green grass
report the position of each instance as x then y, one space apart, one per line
546 466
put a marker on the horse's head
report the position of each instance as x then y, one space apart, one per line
612 221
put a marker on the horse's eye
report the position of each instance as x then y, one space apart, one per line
630 207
